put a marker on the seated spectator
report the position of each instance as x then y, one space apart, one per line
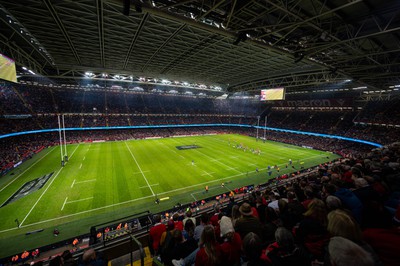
215 218
198 230
210 251
67 258
252 249
311 231
248 223
342 224
235 214
232 243
89 257
333 203
189 217
344 252
349 201
230 206
177 221
385 241
284 251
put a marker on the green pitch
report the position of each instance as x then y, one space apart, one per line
106 181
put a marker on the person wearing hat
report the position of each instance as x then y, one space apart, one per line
248 223
232 242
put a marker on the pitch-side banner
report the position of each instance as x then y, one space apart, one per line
344 102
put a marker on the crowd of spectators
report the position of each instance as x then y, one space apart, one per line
35 108
35 99
345 213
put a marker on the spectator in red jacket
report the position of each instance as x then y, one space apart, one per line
210 251
155 234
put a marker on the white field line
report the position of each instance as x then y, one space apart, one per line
85 181
72 185
133 200
141 172
151 185
193 197
26 170
34 205
206 173
80 166
140 169
84 158
72 201
65 201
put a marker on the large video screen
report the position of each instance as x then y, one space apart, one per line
273 94
7 69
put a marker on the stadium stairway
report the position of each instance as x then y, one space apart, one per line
125 260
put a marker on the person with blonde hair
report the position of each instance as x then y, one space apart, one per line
312 232
317 211
341 223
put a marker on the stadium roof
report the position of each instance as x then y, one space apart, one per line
238 45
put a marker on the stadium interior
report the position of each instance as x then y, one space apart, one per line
118 70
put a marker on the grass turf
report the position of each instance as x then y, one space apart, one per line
106 181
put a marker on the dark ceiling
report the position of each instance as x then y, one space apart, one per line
239 45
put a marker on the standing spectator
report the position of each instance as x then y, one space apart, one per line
155 234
